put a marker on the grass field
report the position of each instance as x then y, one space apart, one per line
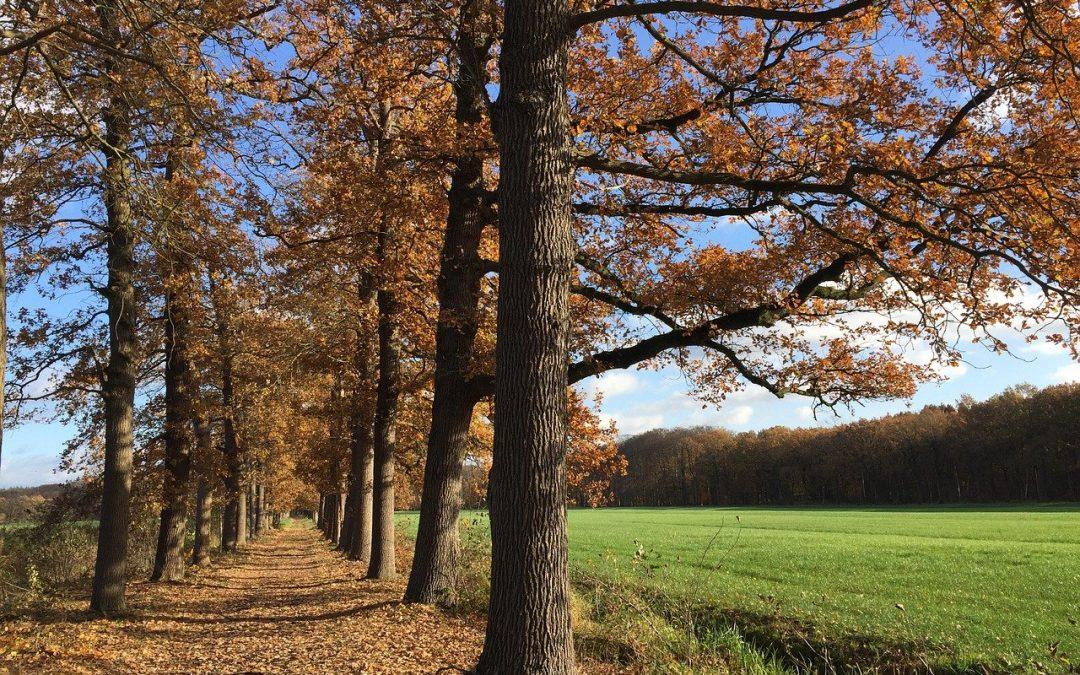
970 585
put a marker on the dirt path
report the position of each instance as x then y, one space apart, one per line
288 604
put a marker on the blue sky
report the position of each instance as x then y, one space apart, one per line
639 400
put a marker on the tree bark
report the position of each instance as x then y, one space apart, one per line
361 430
234 517
528 629
242 514
107 595
382 563
204 505
179 408
433 577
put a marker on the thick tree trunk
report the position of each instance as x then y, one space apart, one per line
169 556
107 595
204 504
433 576
382 563
528 629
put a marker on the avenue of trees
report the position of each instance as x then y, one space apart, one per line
1019 445
337 255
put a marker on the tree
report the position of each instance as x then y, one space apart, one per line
528 627
867 193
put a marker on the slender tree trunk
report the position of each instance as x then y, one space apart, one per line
242 514
179 392
228 519
261 519
234 517
382 563
204 504
528 629
361 440
253 510
433 576
107 595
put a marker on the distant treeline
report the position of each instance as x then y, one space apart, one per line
1019 445
56 501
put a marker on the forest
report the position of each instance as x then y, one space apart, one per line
263 257
1020 445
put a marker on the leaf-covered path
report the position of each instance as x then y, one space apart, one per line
287 604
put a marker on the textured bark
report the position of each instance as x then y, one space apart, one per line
241 514
252 510
361 430
528 629
333 517
110 568
433 576
204 505
169 556
228 519
382 563
234 517
261 516
179 406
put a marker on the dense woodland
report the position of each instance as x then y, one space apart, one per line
1019 445
325 255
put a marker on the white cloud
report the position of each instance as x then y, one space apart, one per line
1046 349
805 413
739 415
1067 373
617 382
634 424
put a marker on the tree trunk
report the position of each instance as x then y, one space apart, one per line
528 629
253 510
382 563
261 521
242 514
179 392
204 504
361 429
107 595
433 577
234 518
228 518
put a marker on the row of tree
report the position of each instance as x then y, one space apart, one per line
1020 445
343 251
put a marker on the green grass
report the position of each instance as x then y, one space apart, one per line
994 585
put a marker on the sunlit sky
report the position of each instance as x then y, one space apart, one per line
639 400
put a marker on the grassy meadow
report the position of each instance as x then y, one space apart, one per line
957 588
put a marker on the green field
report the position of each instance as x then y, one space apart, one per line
989 585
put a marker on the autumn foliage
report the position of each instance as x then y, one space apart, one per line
339 257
